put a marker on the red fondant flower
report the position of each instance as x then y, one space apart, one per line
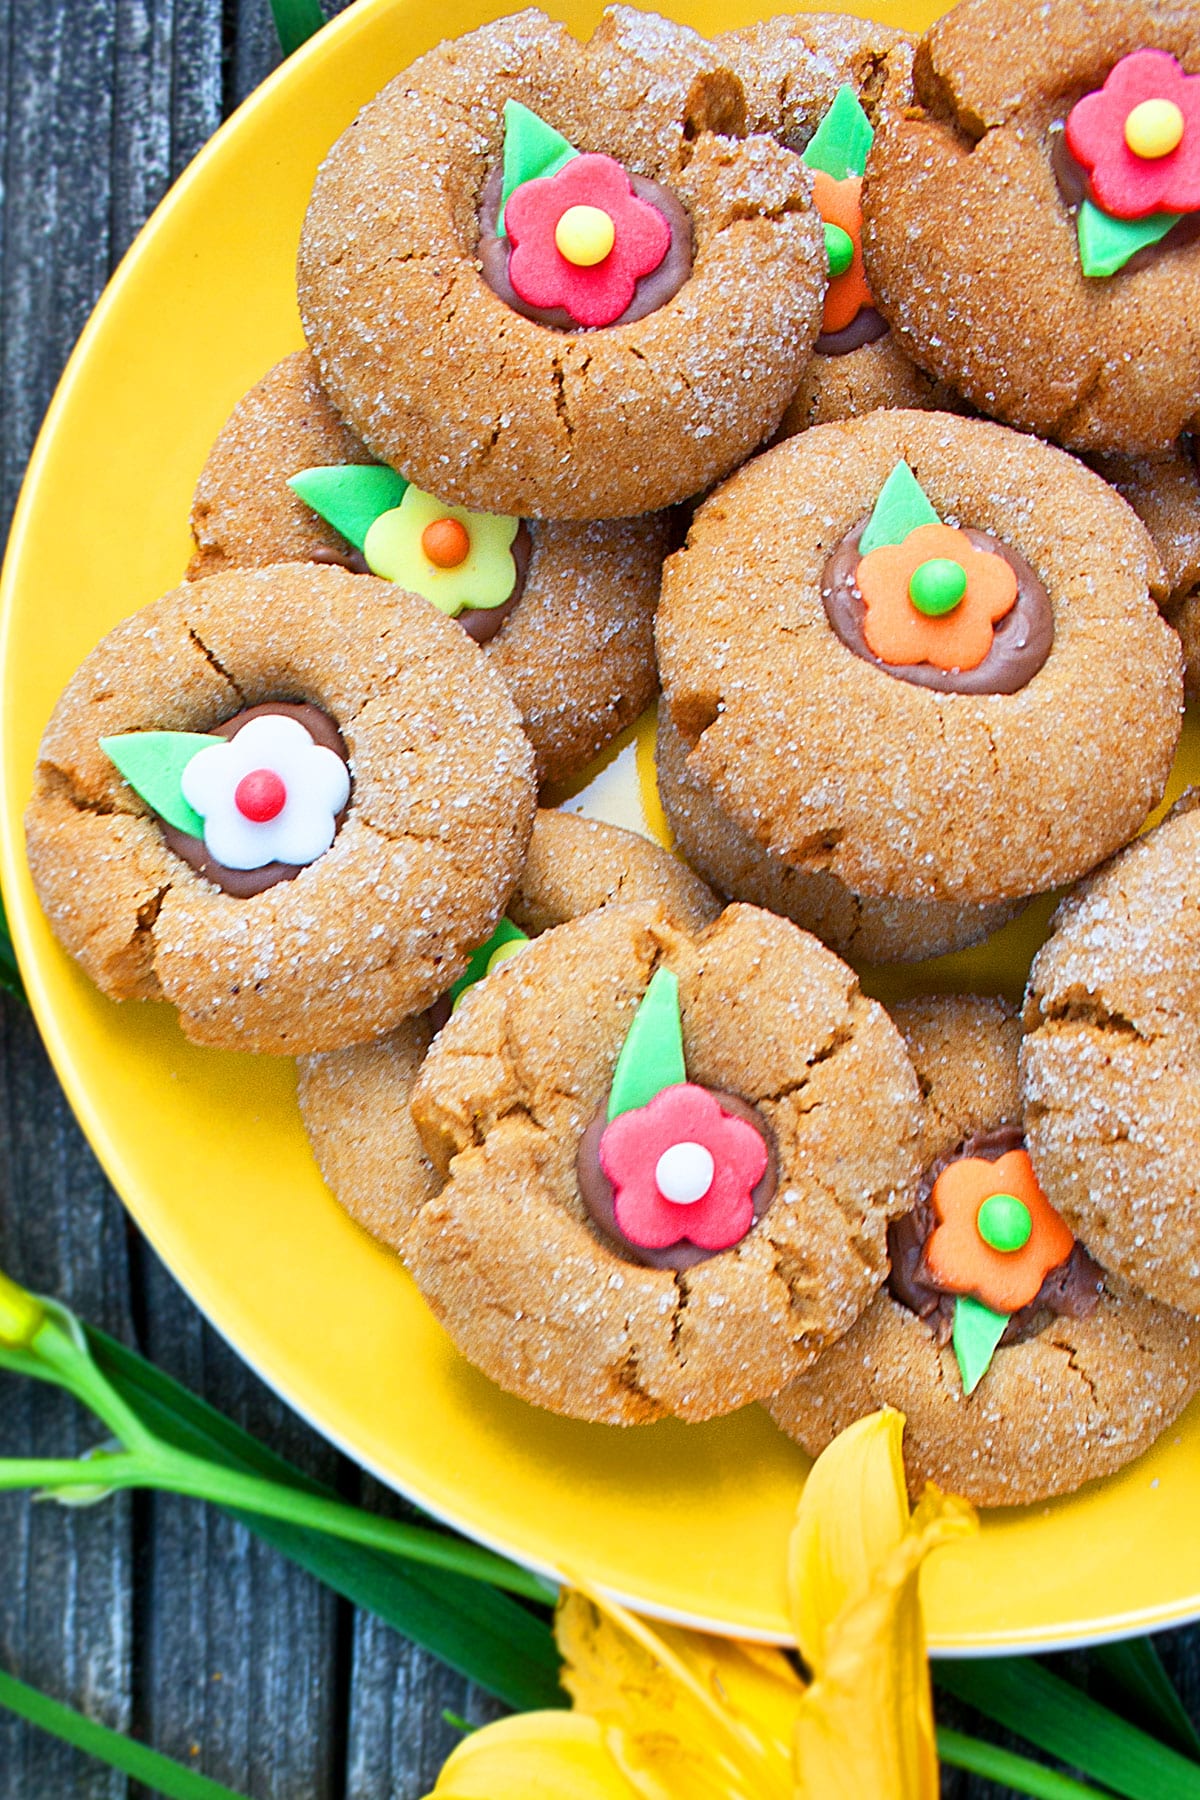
597 292
682 1144
1124 183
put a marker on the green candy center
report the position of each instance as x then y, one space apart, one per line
839 248
1004 1223
936 587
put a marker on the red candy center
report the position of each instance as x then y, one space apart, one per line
260 796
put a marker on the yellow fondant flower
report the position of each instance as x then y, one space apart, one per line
668 1714
454 558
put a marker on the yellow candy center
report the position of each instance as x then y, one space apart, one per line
584 235
503 951
1154 128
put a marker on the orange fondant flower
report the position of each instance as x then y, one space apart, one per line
956 1254
898 633
840 203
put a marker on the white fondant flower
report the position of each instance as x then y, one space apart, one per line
268 795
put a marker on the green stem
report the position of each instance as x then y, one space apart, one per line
142 1764
1016 1772
52 1473
72 1367
249 1493
168 1470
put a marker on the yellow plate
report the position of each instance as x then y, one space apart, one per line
207 1149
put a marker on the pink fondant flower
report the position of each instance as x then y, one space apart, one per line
1124 183
683 1168
594 293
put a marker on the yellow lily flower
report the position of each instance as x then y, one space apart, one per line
667 1714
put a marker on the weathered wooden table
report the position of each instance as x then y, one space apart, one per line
152 1614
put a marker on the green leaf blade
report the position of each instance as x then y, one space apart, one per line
133 1759
1135 1669
350 496
152 762
1106 244
484 1634
977 1331
651 1058
842 141
1049 1712
533 151
505 933
901 507
295 22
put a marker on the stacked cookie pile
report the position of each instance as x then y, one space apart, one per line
836 314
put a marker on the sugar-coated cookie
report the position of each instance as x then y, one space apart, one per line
1111 1061
290 882
1084 1378
865 929
611 383
1031 233
576 1252
1166 497
574 643
971 743
802 72
355 1102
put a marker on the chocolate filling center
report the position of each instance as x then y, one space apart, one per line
596 1190
242 883
1021 640
479 622
652 290
866 325
1072 1290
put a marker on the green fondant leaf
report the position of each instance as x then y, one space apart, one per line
1106 244
532 150
152 762
505 933
350 496
902 506
977 1331
841 141
651 1057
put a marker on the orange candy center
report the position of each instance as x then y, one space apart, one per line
446 542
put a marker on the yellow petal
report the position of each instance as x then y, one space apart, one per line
21 1315
865 1726
852 1514
690 1717
534 1756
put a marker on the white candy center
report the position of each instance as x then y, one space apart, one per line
684 1173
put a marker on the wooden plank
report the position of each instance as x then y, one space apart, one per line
65 1576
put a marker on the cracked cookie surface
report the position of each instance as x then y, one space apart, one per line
1079 1399
433 839
505 1252
577 654
1111 1061
971 249
1165 495
829 762
355 1102
865 929
487 408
